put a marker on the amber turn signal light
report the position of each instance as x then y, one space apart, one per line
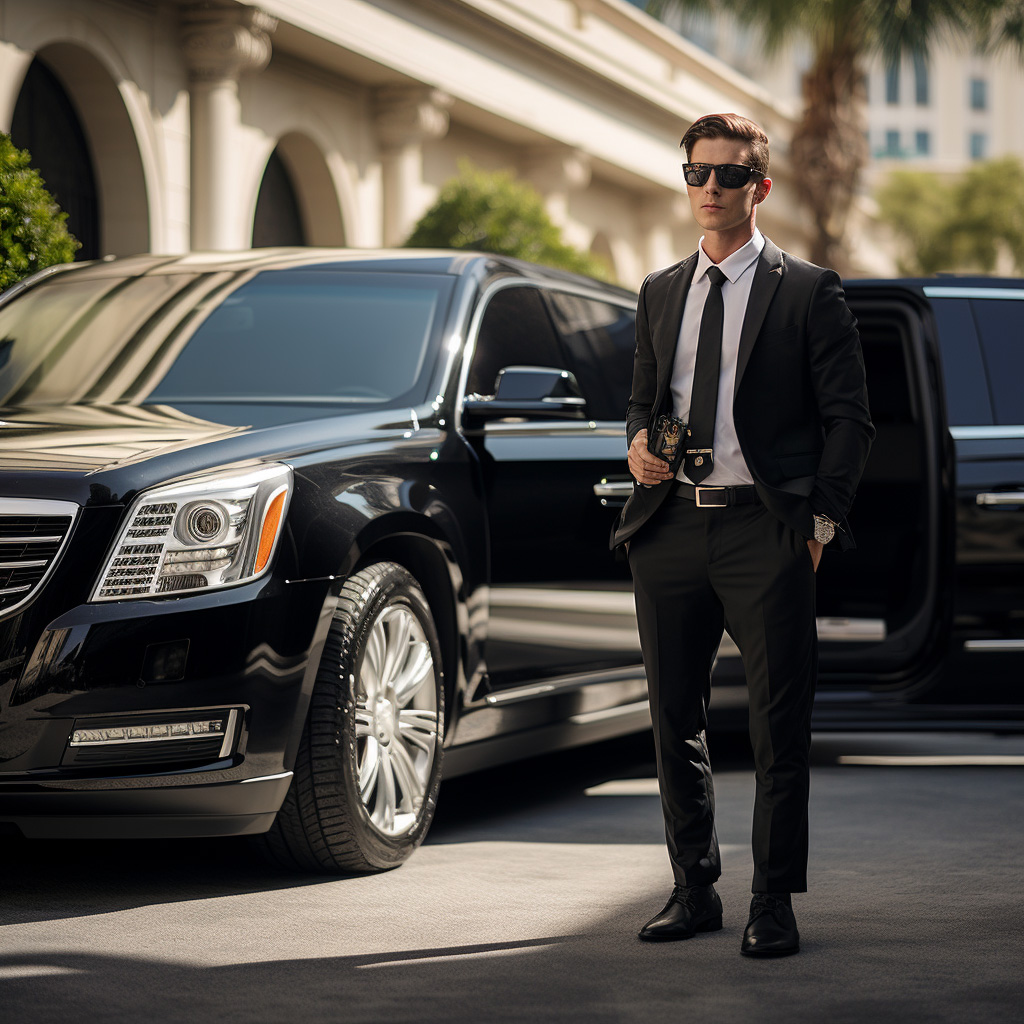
271 526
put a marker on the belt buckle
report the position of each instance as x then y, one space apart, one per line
698 492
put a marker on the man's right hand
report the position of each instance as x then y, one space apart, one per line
646 468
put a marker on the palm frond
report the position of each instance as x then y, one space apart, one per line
914 26
1002 25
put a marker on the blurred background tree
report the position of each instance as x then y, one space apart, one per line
491 211
829 149
32 230
960 224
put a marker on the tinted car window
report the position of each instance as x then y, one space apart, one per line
600 340
1001 327
330 336
515 330
967 395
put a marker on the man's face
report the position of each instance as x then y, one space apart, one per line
718 209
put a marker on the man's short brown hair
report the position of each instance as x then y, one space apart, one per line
730 126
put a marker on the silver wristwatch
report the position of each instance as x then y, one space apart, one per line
824 529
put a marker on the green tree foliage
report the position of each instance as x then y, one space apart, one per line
828 149
493 212
958 224
32 230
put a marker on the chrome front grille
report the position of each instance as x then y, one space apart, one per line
32 534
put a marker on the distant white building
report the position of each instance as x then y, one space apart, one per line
937 114
171 125
943 113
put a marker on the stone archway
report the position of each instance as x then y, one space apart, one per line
298 182
46 123
277 220
73 82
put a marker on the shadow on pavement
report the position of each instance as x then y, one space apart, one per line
57 879
52 879
854 967
497 794
535 801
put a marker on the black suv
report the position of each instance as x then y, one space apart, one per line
925 620
280 528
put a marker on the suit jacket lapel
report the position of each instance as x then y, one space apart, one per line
666 338
767 275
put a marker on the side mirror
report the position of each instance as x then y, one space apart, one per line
530 393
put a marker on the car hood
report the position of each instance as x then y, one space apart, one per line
103 454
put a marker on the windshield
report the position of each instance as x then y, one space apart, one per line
314 336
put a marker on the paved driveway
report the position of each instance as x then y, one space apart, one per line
524 904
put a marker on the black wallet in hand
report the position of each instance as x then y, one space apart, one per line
667 440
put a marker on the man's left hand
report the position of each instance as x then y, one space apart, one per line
815 547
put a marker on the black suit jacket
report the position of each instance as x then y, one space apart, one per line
800 405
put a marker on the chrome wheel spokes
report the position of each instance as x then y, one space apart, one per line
417 673
418 728
373 662
396 720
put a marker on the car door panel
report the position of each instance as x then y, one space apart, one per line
560 600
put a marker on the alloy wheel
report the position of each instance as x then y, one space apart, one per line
396 720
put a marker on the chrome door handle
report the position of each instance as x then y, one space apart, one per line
997 498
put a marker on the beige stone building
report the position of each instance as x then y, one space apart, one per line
172 126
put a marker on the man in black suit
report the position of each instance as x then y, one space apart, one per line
757 353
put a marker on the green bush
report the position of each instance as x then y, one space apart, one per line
957 224
32 230
493 212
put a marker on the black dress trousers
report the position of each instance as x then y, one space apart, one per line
696 570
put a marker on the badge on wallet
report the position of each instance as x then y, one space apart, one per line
667 440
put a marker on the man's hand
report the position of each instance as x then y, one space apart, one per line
646 468
815 547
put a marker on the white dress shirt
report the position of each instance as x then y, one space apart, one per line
730 467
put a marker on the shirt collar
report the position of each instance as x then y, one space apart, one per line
733 265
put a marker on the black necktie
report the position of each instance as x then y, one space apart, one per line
700 460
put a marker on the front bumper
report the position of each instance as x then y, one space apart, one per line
244 657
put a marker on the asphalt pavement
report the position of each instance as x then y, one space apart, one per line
524 904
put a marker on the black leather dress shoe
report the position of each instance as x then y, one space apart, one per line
690 909
771 930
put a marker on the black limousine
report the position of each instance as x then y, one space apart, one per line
287 534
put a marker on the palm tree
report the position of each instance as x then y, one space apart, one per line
829 147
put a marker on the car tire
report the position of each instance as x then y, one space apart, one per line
369 762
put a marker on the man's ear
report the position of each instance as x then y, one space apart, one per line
762 190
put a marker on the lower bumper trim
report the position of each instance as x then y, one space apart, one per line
157 812
154 826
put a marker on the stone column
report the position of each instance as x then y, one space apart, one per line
405 118
556 172
219 41
14 64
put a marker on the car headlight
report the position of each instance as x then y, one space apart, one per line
197 534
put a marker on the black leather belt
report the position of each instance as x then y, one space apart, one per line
717 497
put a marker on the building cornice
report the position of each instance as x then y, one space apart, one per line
679 57
587 65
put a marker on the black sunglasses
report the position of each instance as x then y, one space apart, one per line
727 175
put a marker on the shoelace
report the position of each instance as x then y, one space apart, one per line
683 895
765 902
